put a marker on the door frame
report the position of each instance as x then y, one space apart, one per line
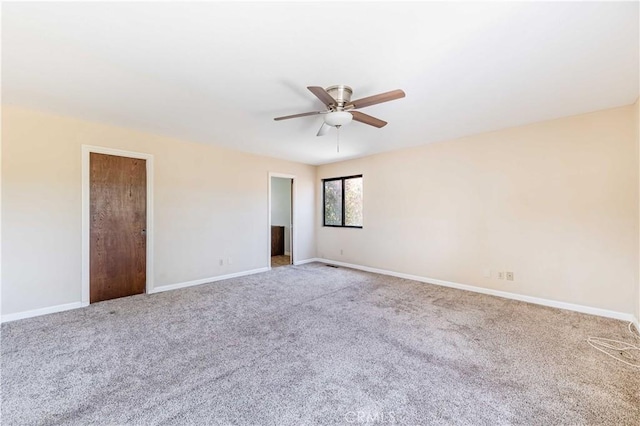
86 223
292 233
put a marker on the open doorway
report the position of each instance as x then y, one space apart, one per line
280 219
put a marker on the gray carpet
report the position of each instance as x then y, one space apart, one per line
315 345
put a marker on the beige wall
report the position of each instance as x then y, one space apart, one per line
554 202
209 203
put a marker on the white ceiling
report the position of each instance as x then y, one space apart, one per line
219 72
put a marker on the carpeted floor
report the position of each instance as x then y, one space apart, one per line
315 345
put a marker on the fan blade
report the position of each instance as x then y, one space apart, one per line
376 99
324 129
367 119
322 94
304 114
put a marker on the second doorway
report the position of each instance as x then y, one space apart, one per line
281 221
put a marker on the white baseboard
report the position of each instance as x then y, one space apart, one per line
302 262
41 311
207 280
504 294
287 253
76 305
507 295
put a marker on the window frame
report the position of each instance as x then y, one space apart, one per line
324 216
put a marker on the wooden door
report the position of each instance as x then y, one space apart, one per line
118 215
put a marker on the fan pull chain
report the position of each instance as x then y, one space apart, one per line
338 145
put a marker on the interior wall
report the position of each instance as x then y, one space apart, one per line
281 208
555 202
637 126
210 203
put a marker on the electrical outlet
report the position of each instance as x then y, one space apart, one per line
221 262
341 251
501 275
230 261
509 276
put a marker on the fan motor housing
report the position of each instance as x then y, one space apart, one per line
341 93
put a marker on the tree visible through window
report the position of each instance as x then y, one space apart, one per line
343 201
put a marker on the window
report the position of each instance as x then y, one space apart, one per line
342 199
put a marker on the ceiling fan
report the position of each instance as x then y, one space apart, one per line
341 109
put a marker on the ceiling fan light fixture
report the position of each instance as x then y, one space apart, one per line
338 118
